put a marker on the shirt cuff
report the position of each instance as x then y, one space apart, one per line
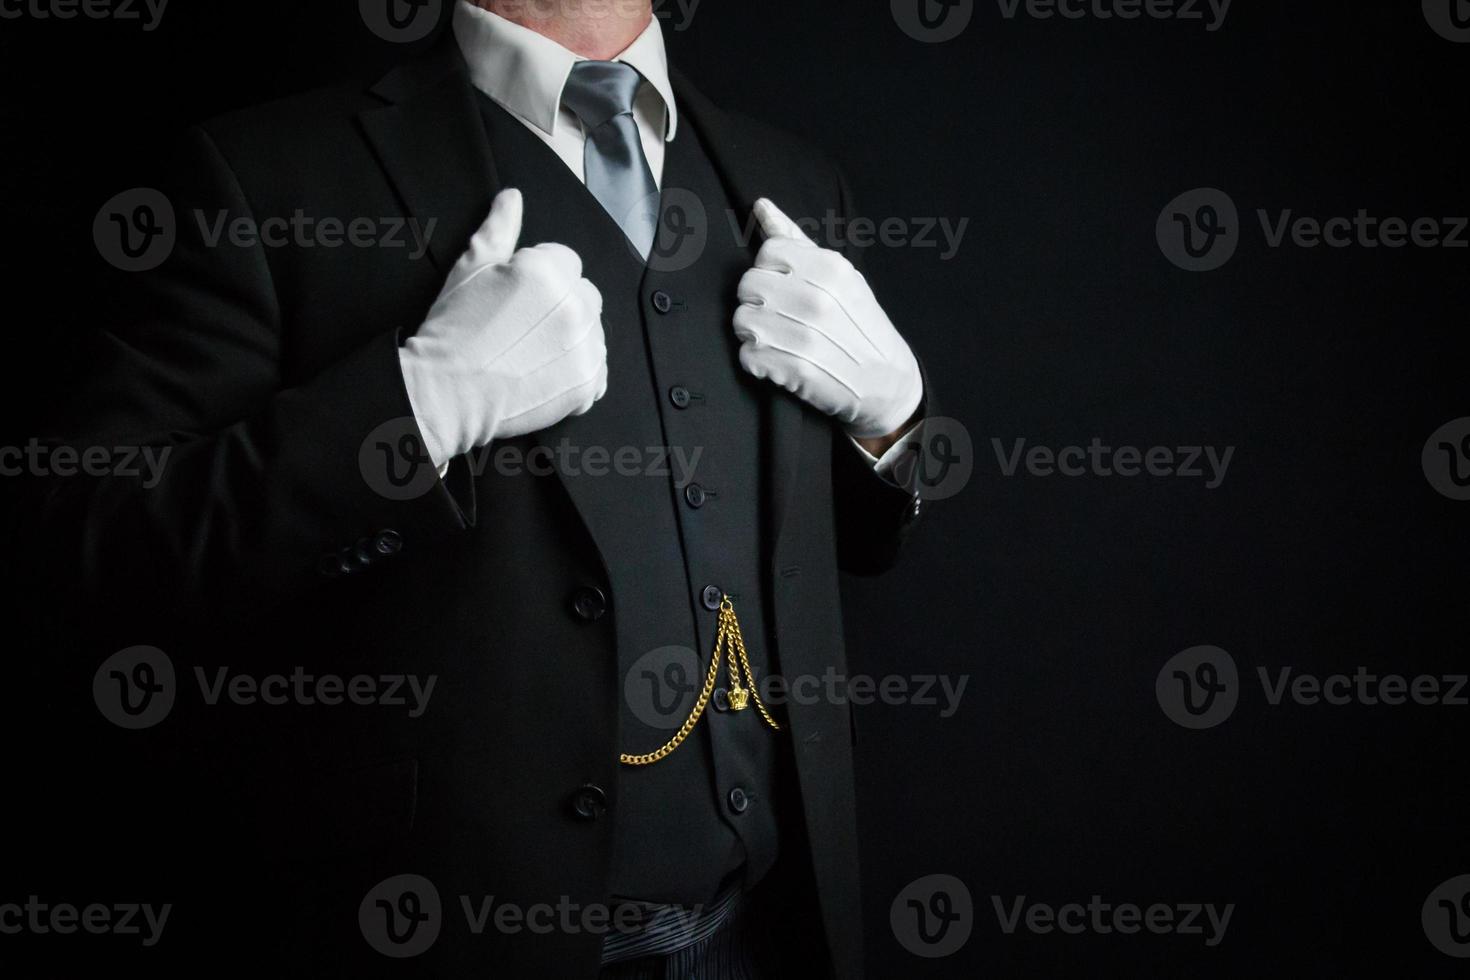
888 465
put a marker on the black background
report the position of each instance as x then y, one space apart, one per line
1060 320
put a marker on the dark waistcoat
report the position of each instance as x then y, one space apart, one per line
674 536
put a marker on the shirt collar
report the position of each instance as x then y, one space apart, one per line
525 72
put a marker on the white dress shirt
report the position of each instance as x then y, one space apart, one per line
524 73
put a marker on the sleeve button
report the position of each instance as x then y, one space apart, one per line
388 542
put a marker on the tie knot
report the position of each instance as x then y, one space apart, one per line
601 90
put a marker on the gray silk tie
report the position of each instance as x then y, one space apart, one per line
601 94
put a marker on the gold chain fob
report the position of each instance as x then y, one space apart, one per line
740 697
734 643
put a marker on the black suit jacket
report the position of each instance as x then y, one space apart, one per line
265 369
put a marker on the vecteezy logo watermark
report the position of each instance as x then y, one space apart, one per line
40 918
1199 687
1450 19
933 916
933 21
663 685
1211 13
1102 918
394 462
682 229
401 21
403 916
1208 463
134 688
1446 917
1199 230
40 459
135 230
937 459
147 12
1446 459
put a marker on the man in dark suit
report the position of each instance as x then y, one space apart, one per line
444 466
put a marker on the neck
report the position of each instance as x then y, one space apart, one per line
600 35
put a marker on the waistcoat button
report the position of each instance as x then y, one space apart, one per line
589 603
589 802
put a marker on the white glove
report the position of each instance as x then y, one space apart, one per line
513 344
809 322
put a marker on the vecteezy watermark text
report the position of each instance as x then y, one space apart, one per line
403 916
1200 230
662 686
1200 687
395 463
938 21
149 13
307 689
40 918
136 688
1211 13
679 12
37 458
1101 918
137 230
839 231
302 230
1098 459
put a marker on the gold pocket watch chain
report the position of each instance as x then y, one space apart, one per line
733 642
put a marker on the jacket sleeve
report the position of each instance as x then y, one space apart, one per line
222 486
874 515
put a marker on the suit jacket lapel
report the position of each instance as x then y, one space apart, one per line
560 209
428 137
737 156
